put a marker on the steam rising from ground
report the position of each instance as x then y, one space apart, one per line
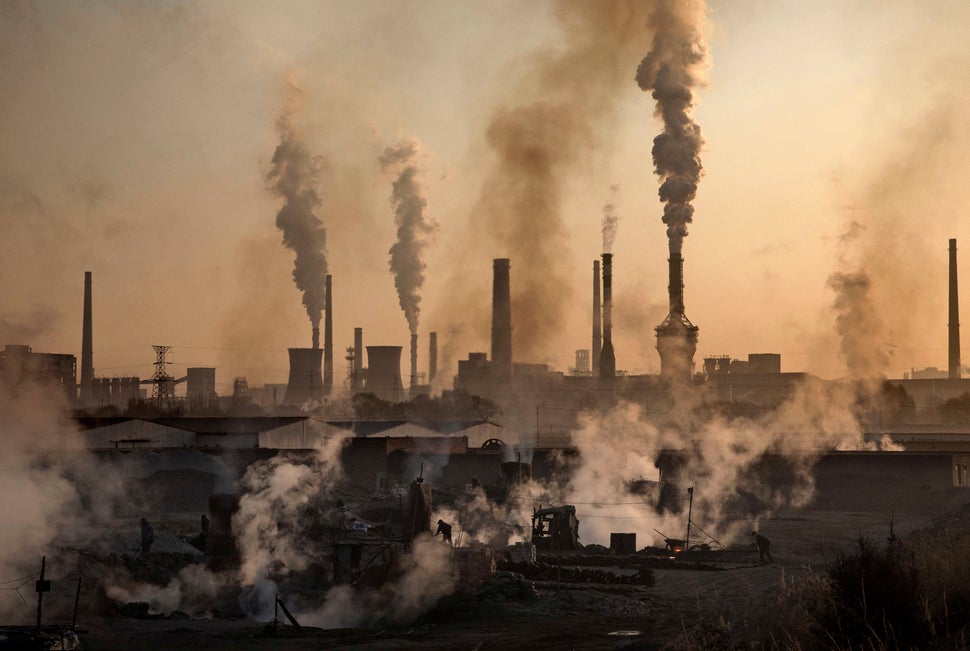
275 522
415 229
672 68
294 177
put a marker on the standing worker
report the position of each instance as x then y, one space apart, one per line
147 535
764 547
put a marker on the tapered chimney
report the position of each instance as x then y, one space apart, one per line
328 337
432 357
87 347
954 348
597 320
358 376
607 362
501 366
414 362
676 336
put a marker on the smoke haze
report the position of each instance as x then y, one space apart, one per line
610 221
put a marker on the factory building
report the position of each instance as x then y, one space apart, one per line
19 364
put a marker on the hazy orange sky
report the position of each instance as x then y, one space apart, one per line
135 141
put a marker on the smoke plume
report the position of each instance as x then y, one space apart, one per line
541 134
294 178
672 68
415 229
610 222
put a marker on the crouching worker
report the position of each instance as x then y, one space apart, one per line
764 547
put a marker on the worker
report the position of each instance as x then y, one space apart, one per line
764 547
147 535
445 530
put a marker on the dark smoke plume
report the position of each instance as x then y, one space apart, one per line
415 228
670 70
858 323
610 222
294 178
541 134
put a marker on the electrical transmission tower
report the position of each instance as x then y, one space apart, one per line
163 384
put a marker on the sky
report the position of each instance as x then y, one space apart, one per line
136 142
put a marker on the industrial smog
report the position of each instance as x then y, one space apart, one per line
226 174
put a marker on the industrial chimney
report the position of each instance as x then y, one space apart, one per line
305 382
954 348
358 376
328 337
597 320
607 361
384 373
676 336
501 366
432 357
87 347
414 362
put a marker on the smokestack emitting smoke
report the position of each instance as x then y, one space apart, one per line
432 357
87 345
294 178
954 347
597 320
415 228
670 70
501 320
328 337
414 361
610 222
607 357
315 338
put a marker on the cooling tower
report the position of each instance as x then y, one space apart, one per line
384 373
597 320
432 357
954 348
501 366
306 382
676 336
328 338
607 362
87 397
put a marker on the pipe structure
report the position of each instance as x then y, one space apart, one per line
597 321
954 326
414 362
607 357
87 346
328 337
501 367
432 357
358 376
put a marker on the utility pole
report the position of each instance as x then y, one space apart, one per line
690 509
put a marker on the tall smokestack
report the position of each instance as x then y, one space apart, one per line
315 339
432 357
607 361
358 376
676 336
501 320
414 362
328 336
954 348
597 320
87 347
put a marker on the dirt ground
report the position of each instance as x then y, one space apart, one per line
568 616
